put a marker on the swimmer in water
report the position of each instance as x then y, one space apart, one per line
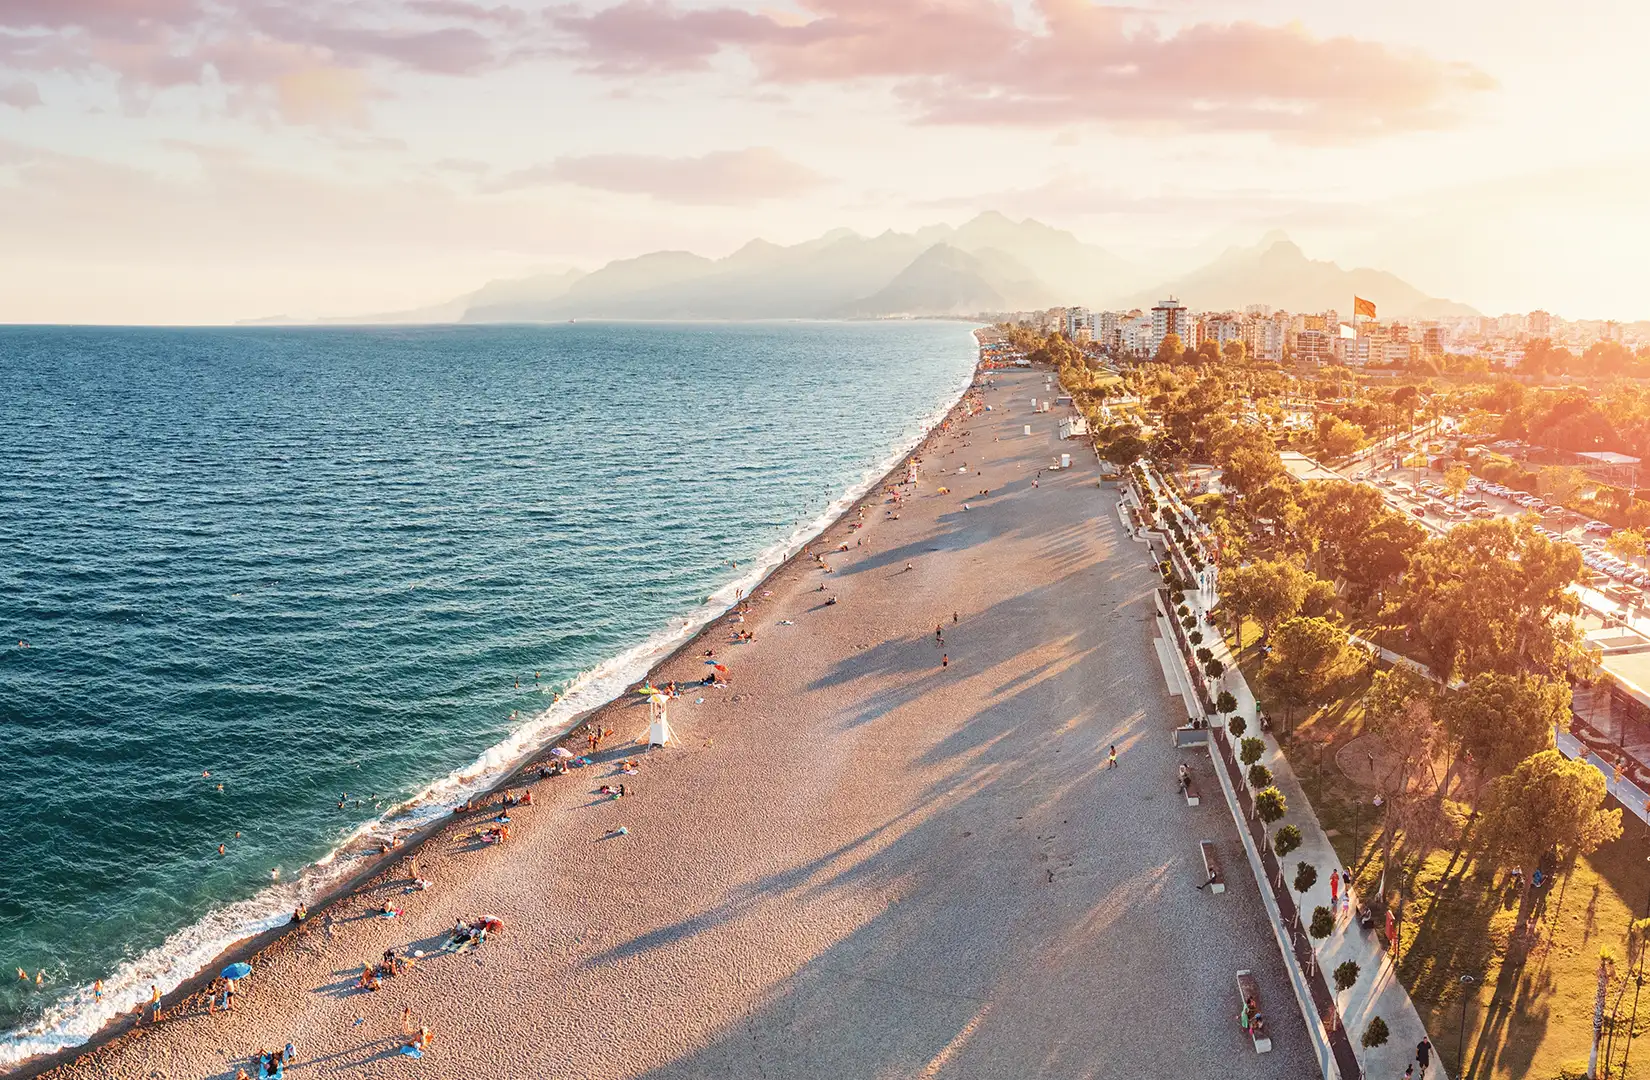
220 849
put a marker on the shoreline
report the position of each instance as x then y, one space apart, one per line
373 868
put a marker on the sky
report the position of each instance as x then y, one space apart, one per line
202 161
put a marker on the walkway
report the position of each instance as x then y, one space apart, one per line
1377 991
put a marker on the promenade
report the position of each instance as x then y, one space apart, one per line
1377 991
855 862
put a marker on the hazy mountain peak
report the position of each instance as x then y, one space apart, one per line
1278 273
1283 248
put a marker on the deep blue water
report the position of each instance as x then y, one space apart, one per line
318 562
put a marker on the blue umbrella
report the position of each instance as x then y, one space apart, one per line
236 971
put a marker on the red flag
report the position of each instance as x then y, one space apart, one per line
1360 306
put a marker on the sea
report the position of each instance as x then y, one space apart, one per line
287 590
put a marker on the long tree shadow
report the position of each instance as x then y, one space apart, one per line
1021 911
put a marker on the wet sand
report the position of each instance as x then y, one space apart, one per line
853 863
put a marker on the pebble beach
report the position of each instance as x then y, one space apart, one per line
877 851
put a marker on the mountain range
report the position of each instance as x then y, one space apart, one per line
990 264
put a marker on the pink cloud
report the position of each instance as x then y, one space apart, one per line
305 59
653 35
20 94
722 178
974 62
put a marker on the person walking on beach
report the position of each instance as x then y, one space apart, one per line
945 660
1111 759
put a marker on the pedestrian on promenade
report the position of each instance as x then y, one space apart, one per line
1111 759
1423 1054
1334 888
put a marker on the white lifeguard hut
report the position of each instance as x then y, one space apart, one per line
658 728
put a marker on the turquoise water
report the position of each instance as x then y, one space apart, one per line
328 564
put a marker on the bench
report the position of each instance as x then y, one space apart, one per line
1212 876
1187 735
1188 788
1249 990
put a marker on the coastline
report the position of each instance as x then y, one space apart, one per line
374 869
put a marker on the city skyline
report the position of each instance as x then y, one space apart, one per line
195 161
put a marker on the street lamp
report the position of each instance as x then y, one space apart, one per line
1461 1038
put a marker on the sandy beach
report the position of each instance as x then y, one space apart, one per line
853 862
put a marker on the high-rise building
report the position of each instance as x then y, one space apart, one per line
1078 324
1105 330
1134 335
1540 324
1435 341
1220 329
1171 317
1314 346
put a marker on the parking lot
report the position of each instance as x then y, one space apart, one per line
1616 589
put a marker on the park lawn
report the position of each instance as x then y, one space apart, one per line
1534 1021
1530 1021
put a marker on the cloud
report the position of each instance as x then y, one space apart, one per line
976 62
307 61
719 178
20 94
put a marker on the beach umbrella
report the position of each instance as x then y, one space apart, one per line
561 752
236 971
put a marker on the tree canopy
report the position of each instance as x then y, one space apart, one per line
1547 802
1499 720
1169 349
1269 592
1486 596
1307 656
1356 536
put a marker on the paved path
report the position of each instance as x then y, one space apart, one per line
1378 991
1629 794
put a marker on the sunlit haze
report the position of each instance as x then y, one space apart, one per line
176 161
